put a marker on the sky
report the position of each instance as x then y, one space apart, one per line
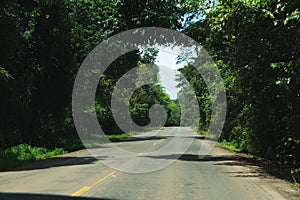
166 61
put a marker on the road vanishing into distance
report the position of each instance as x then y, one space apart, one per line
80 175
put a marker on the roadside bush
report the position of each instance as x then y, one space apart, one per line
24 152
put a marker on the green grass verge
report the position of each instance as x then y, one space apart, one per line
119 137
18 155
229 146
23 153
295 183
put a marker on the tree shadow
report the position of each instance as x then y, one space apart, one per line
220 160
146 138
197 158
263 167
54 162
247 174
136 139
234 163
24 196
200 137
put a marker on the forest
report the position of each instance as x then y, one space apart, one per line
255 45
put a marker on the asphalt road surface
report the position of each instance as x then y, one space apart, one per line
161 175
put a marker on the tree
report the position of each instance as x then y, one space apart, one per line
256 47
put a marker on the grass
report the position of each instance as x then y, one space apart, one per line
224 144
205 133
18 155
26 152
21 154
229 146
295 183
71 144
119 137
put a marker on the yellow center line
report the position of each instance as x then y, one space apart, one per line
87 188
80 191
102 179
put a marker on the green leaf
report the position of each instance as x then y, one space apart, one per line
267 14
293 16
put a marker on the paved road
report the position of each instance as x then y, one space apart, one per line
78 175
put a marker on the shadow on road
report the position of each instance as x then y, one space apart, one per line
220 160
261 167
146 138
200 137
195 157
136 139
55 162
23 196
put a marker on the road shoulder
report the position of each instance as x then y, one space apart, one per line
252 169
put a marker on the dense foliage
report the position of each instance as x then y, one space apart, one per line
43 43
256 46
